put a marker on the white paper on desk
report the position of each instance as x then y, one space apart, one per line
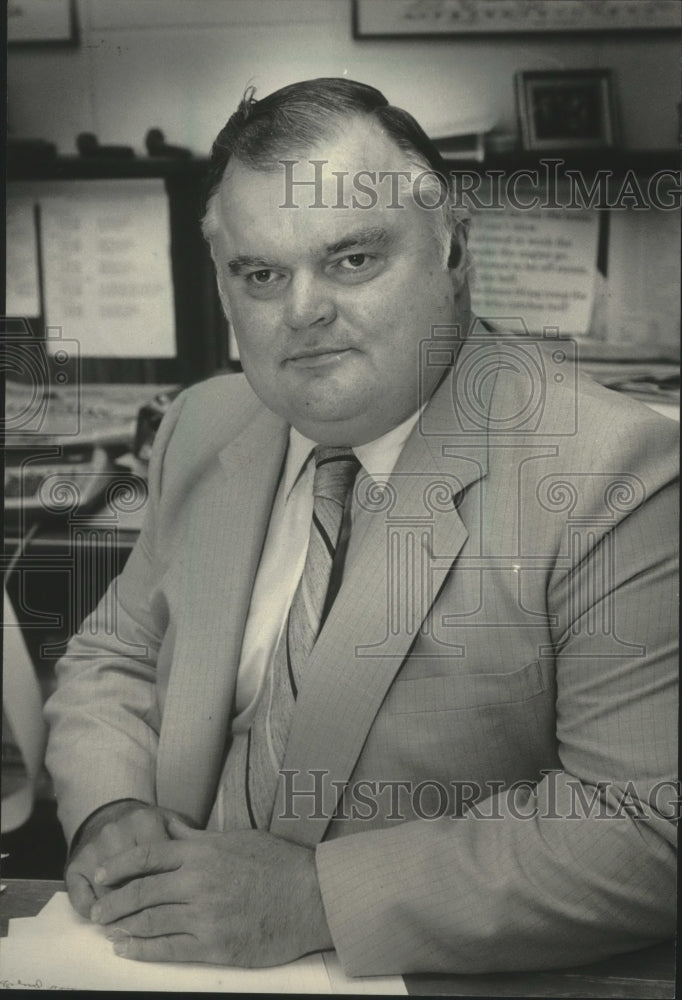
22 282
75 954
20 927
537 265
643 287
391 986
56 912
60 949
106 259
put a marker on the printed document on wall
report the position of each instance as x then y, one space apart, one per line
643 303
107 266
536 265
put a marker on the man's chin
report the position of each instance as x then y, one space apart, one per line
332 426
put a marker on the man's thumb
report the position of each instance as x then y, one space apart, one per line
179 830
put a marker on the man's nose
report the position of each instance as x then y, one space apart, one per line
309 302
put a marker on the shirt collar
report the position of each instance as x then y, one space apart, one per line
377 457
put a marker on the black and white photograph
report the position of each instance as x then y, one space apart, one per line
340 357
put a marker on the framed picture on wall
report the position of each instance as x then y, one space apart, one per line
41 22
400 18
570 109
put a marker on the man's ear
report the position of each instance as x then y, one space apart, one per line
459 259
222 295
213 247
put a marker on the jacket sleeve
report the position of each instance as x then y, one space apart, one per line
579 864
103 717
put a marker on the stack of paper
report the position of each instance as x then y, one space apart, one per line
60 950
462 138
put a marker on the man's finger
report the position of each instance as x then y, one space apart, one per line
155 921
174 948
145 859
136 895
80 892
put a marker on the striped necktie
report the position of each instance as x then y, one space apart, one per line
252 767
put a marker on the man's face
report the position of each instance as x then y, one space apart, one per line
329 305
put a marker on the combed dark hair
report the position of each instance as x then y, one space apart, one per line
291 120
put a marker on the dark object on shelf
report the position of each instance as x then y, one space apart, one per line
156 144
22 152
88 145
31 147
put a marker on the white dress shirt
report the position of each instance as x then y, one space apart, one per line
284 553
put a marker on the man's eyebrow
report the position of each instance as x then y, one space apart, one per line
237 264
375 237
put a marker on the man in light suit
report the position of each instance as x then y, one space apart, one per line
478 767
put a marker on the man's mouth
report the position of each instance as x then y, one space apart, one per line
317 356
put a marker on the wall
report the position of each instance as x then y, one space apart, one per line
183 64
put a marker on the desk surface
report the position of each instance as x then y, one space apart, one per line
648 974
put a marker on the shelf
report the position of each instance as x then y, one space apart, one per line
29 166
22 165
619 161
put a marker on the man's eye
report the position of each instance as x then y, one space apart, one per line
263 277
354 261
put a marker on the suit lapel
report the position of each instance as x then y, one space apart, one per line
227 533
405 539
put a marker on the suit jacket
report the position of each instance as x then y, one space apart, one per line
483 749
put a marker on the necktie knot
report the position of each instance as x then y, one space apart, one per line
335 471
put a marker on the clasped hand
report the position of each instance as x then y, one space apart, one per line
244 898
